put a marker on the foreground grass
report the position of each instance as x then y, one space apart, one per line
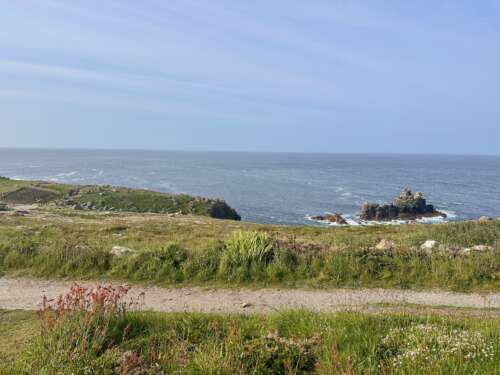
17 329
291 342
195 250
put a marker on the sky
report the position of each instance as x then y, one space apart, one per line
303 76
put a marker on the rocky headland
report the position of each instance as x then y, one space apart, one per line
110 198
407 206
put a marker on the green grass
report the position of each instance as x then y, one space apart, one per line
195 250
222 344
17 329
103 198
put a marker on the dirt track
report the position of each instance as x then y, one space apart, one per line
24 293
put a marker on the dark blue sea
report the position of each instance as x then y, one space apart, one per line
277 187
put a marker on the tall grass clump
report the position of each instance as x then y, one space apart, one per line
246 247
246 254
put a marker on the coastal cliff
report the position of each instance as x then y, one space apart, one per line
111 198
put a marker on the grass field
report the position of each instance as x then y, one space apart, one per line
287 343
187 250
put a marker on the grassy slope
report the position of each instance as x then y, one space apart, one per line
67 243
121 199
204 343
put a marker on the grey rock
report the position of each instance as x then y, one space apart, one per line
121 251
332 218
386 245
485 219
429 246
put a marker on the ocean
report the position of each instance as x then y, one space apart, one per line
284 188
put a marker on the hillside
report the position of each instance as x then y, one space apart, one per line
111 198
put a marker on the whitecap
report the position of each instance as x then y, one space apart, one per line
67 174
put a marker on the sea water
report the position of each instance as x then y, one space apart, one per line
286 188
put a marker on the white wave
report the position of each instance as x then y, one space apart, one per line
449 214
67 174
353 220
326 222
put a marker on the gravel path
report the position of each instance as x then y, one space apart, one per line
25 293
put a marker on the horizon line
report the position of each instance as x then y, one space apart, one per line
246 151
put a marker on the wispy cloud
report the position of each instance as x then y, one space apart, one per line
325 66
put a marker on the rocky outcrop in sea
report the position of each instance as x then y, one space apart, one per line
331 218
407 206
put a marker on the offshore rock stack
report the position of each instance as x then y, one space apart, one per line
407 206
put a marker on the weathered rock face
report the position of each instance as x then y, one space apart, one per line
221 210
332 218
407 206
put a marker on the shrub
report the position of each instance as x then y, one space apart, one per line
273 354
75 330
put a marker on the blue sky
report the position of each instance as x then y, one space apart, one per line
328 76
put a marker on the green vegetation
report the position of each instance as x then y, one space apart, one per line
194 250
93 332
109 198
17 329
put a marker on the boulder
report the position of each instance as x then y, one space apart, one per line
221 210
407 206
385 245
429 246
120 251
483 219
482 248
476 248
332 218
